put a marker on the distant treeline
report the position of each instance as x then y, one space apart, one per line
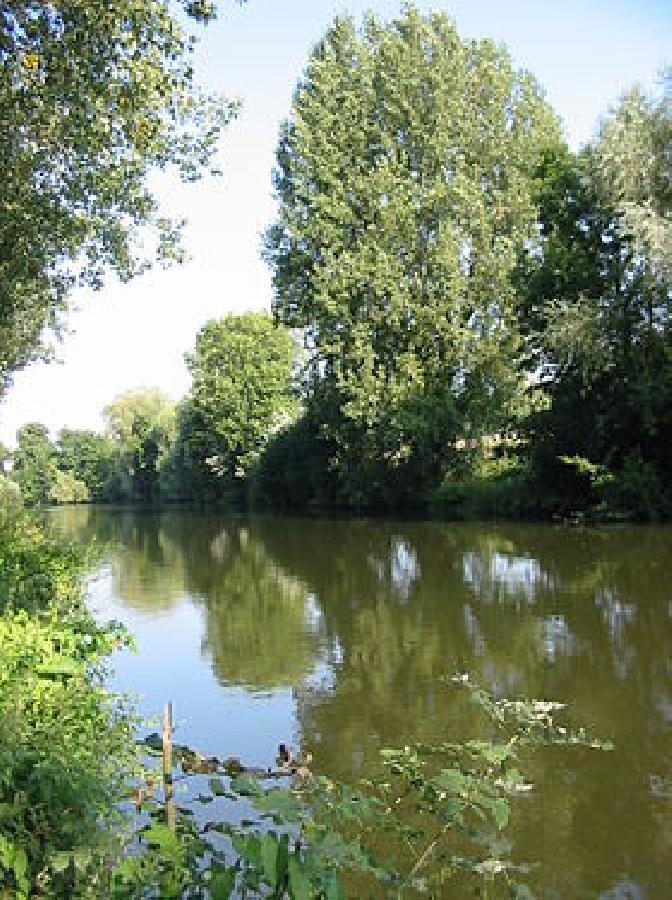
468 317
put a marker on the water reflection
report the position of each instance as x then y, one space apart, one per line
348 627
500 577
261 631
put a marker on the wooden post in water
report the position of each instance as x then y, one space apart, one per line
168 765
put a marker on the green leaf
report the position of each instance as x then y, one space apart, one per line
300 887
282 805
493 753
282 862
269 858
217 786
63 666
222 883
500 812
162 837
20 862
451 780
82 858
333 887
245 785
248 846
59 862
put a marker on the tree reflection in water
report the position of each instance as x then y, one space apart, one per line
361 620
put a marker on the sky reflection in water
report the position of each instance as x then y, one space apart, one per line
335 635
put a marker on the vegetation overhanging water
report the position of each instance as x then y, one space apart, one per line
468 317
334 636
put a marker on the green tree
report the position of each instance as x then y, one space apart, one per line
68 489
94 95
89 458
34 468
597 306
634 155
141 426
577 250
404 178
242 368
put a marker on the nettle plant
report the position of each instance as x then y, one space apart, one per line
436 814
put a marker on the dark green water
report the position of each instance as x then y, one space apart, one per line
334 635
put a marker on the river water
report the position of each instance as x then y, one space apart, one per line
334 636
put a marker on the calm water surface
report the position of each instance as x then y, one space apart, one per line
334 635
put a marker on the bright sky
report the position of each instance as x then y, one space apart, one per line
584 53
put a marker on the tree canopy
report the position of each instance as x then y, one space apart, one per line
141 425
634 155
486 315
94 95
404 179
89 458
34 463
242 393
600 315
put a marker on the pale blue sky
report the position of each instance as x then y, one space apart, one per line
583 53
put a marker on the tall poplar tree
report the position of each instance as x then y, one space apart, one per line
404 186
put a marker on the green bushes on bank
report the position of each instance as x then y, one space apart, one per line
498 488
66 743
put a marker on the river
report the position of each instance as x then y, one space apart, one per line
334 635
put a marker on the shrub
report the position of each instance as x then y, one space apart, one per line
66 748
501 487
637 491
66 743
37 569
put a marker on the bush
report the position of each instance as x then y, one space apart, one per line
66 744
500 487
636 490
37 569
10 494
66 748
293 472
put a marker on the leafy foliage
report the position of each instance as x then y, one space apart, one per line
598 311
404 180
36 567
93 96
34 463
141 427
66 743
242 393
409 829
65 747
89 458
634 156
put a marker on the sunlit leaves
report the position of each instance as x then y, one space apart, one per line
242 370
636 172
66 744
93 96
405 829
141 426
404 181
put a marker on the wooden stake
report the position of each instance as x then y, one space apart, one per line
168 765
